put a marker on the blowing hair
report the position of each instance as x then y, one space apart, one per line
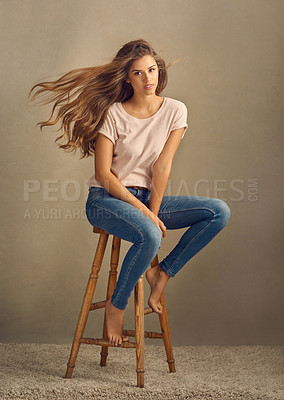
83 96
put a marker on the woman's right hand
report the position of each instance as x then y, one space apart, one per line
153 217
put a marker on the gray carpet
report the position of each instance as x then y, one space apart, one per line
36 371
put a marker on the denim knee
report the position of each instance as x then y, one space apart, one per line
223 211
152 239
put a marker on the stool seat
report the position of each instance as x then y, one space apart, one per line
99 230
139 310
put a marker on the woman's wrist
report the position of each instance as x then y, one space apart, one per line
144 209
154 210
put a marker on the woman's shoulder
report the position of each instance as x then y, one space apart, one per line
114 106
112 111
175 104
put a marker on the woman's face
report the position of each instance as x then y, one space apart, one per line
144 75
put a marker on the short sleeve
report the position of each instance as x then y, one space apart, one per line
108 128
180 120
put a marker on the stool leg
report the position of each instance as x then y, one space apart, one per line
87 301
110 289
166 335
139 330
164 323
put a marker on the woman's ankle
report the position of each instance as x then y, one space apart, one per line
163 275
114 308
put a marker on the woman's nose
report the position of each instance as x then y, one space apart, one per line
146 77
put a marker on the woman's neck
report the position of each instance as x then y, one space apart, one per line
143 105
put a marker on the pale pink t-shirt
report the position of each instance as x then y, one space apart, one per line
139 142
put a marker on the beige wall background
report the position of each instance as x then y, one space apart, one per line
231 80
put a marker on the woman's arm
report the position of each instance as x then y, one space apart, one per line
107 178
162 169
159 183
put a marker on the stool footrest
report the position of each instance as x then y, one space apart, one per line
97 305
105 343
102 304
149 335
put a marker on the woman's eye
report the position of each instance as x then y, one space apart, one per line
139 72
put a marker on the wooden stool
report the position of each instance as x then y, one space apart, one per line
140 311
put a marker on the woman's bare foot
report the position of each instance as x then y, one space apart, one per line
157 279
114 323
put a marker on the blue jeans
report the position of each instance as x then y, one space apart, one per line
204 217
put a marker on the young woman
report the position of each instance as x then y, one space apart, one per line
116 112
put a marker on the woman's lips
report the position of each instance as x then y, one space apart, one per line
147 87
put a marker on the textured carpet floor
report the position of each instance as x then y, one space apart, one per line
36 371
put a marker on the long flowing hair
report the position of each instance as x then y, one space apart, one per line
83 96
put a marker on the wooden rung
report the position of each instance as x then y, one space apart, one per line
99 304
153 335
149 335
104 342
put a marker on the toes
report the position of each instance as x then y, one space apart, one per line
157 308
153 306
